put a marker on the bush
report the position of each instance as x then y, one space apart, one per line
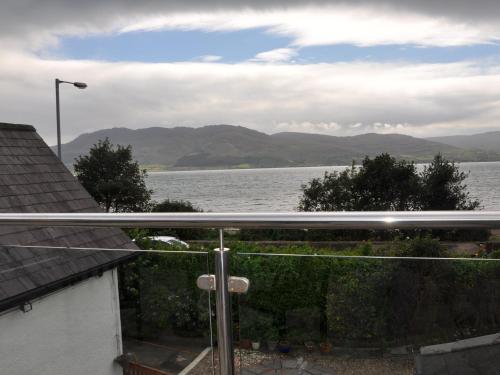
495 254
272 235
373 301
161 291
349 301
183 233
357 301
255 325
386 184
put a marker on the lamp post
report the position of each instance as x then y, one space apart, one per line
79 85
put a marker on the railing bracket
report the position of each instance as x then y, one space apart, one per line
238 285
206 282
235 284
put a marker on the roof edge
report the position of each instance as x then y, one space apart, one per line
40 292
21 127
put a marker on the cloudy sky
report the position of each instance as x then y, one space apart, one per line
332 67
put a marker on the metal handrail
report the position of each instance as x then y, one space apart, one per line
301 220
327 220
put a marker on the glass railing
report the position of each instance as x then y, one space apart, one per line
321 314
86 310
401 306
166 320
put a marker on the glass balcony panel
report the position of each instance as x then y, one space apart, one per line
324 314
105 311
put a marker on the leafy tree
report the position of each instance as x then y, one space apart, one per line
380 184
114 180
184 233
443 187
336 192
385 184
168 205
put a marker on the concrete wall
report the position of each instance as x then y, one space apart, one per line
473 356
483 360
75 331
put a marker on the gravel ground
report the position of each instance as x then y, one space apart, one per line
338 365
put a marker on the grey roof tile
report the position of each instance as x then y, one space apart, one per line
32 179
13 287
3 294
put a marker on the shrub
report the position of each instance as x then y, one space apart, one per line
168 205
348 301
161 290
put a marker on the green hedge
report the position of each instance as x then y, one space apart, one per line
158 295
349 301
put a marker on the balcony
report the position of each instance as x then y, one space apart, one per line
411 306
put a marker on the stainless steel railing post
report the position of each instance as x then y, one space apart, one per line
223 309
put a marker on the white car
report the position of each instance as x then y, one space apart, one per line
169 240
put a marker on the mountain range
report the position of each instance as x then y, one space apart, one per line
227 146
489 141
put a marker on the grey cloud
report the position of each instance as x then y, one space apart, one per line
267 98
465 10
31 18
263 97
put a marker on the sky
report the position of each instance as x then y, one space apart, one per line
422 68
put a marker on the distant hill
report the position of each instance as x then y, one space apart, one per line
227 146
484 141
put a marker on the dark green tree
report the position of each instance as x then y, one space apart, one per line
379 184
184 233
113 178
335 192
443 187
385 184
169 205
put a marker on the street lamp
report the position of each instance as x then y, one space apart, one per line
79 85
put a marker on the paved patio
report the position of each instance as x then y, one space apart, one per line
286 367
168 354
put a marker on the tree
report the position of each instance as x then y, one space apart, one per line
443 187
184 233
168 205
336 192
114 180
379 184
385 184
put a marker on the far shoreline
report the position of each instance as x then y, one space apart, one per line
222 169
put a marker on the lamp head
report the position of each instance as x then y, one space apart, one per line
80 85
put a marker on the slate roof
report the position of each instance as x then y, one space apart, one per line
32 179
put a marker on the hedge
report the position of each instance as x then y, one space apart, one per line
347 301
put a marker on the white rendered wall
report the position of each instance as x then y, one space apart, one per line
75 331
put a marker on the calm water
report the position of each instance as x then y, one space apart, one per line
278 189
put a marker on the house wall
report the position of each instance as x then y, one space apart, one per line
74 331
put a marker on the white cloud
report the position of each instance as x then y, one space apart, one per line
275 55
339 99
320 23
419 99
309 127
310 26
209 58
